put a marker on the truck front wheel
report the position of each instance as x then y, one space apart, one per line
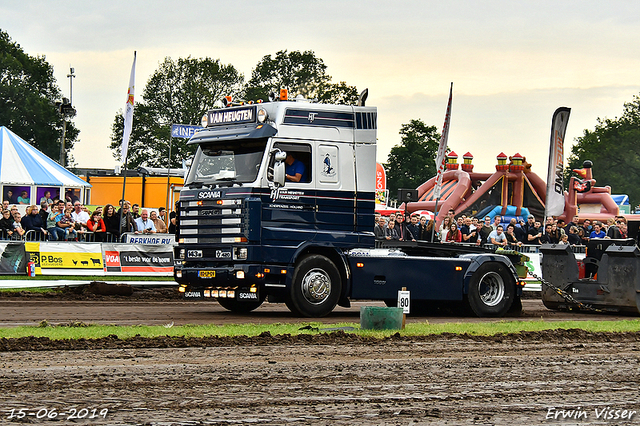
315 288
492 290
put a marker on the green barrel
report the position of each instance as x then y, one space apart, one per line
379 318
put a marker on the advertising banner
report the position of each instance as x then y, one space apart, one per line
65 258
137 259
155 239
13 259
555 184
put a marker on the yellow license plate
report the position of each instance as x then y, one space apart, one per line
207 274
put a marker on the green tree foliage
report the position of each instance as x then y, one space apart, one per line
178 92
412 163
301 73
613 148
28 93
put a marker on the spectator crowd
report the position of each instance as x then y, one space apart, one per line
471 230
69 220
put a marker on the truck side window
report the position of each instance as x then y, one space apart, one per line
298 162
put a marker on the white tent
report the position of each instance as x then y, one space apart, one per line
24 168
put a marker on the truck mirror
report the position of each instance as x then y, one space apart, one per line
281 156
278 173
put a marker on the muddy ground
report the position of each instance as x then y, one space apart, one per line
315 379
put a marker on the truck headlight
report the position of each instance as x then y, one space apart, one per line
181 254
262 115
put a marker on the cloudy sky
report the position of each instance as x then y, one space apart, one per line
512 63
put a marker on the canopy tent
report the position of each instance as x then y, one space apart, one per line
22 164
24 168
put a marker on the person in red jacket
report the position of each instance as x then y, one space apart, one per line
96 225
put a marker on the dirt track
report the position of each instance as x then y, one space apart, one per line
322 379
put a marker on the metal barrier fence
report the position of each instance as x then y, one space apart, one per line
525 248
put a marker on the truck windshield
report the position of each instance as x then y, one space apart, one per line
237 161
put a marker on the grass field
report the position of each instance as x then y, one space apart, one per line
80 330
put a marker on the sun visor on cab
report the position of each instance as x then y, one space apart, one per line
232 133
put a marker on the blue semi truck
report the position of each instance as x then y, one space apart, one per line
249 226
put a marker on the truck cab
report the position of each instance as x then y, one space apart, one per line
246 230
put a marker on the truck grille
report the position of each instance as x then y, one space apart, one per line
211 222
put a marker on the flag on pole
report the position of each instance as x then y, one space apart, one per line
128 111
554 205
442 149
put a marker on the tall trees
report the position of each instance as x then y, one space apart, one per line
413 161
301 73
28 93
613 148
179 92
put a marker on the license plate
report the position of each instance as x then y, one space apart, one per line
207 274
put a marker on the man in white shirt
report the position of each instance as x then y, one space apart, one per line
497 237
80 216
144 225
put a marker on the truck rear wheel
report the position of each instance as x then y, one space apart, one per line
236 306
315 288
491 290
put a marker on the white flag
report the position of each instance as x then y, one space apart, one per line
554 205
128 111
442 149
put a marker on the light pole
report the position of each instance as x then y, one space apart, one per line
71 76
67 111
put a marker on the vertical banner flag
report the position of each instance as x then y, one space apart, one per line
128 111
442 149
555 186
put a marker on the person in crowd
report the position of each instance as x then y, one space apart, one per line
44 212
431 231
135 211
6 225
554 234
512 239
497 219
14 210
573 237
18 230
401 226
159 224
66 222
546 237
531 223
561 226
485 230
534 234
127 223
144 225
378 229
23 198
597 231
621 223
422 230
497 237
5 205
564 239
162 215
412 228
586 225
111 220
96 225
517 229
469 232
454 235
575 221
9 197
46 198
444 227
32 221
80 217
391 231
173 218
70 197
55 233
612 230
584 238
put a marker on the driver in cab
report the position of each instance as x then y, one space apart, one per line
295 170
